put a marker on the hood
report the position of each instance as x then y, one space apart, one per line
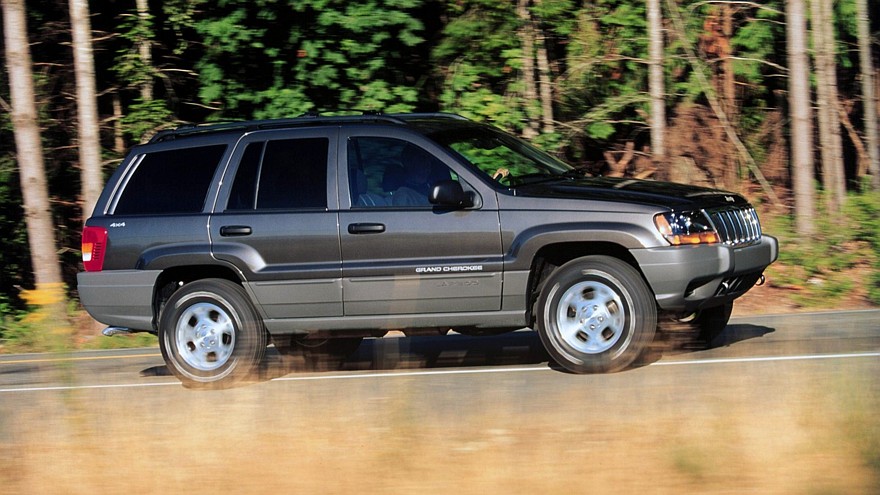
666 194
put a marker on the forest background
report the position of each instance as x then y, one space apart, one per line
772 99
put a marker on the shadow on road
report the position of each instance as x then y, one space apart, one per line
454 350
675 341
738 333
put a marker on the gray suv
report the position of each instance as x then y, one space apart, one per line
315 232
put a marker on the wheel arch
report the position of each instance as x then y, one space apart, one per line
550 257
172 279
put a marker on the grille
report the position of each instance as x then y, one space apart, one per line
736 226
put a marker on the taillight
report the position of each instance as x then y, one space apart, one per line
94 243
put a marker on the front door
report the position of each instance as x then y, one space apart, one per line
400 254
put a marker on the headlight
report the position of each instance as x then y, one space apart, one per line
689 227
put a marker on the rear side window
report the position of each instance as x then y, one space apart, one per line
173 181
282 174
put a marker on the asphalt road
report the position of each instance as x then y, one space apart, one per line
777 404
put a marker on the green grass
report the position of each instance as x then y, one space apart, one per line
842 256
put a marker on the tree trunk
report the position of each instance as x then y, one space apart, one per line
729 131
727 63
655 80
87 108
731 172
118 133
144 50
831 147
801 117
49 289
869 99
530 94
545 84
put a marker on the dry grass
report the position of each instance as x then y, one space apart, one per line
386 439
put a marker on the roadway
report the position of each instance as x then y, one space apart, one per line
777 404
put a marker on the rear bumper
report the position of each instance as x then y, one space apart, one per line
687 278
121 298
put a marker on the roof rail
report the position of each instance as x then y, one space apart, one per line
428 115
309 118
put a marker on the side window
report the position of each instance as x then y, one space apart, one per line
387 172
173 181
244 190
281 174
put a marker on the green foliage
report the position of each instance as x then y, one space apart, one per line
277 59
755 41
863 210
821 267
606 82
130 66
145 118
122 341
481 60
14 257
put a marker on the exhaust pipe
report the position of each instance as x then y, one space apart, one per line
111 331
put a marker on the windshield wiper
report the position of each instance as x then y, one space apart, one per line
577 172
544 177
535 178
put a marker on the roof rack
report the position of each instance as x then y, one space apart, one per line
309 118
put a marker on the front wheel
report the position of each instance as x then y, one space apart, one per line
595 315
708 323
210 334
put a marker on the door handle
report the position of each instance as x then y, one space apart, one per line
366 228
235 230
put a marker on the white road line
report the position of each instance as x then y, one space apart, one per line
474 371
766 359
86 387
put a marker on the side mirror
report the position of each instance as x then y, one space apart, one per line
450 193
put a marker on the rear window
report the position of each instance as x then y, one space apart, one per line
173 181
285 174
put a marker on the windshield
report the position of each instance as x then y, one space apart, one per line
501 156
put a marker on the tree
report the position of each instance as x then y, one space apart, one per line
274 58
530 88
801 118
604 89
48 292
831 148
87 110
656 86
485 73
869 99
537 95
145 113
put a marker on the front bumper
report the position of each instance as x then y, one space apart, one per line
121 298
687 278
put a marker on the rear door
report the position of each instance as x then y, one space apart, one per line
400 254
276 221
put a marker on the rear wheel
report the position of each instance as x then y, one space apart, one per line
210 334
596 314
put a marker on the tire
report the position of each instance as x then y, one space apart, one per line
708 323
596 315
210 334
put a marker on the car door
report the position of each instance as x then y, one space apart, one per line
276 221
400 254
